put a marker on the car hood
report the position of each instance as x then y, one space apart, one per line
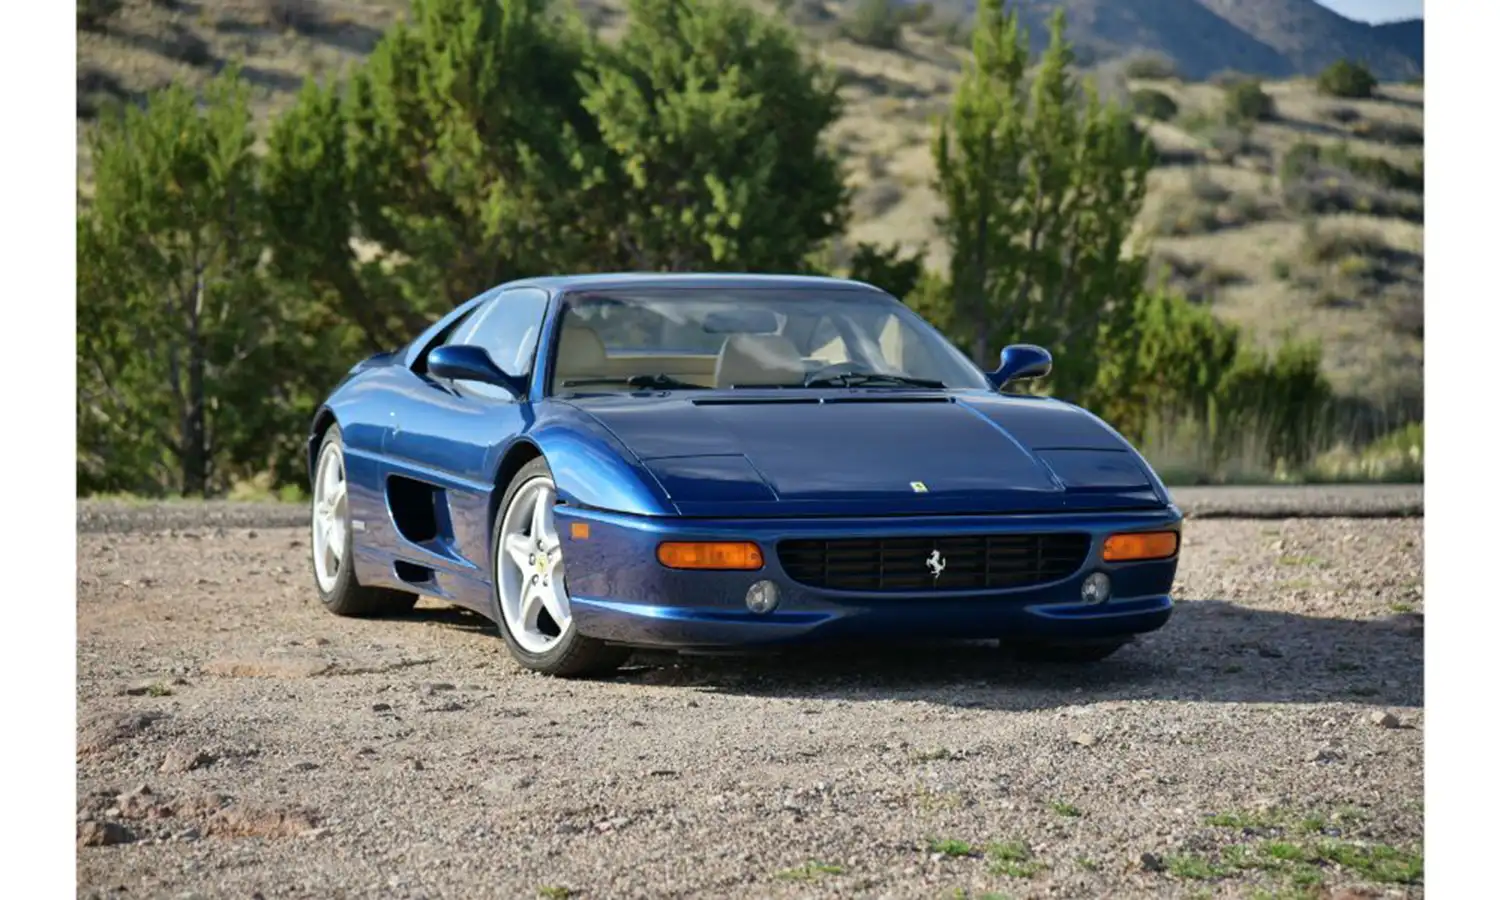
876 453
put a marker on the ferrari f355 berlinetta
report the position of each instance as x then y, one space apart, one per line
710 462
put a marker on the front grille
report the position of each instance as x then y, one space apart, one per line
969 562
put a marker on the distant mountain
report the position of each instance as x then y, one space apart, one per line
1274 38
1406 37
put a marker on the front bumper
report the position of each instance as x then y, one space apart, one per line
621 594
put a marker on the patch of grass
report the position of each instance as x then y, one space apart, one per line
554 892
1377 862
1297 851
1088 865
937 755
1012 859
1402 607
1301 560
810 871
1195 867
1252 821
1066 809
157 689
950 847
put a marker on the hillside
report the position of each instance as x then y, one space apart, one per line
1333 249
1272 38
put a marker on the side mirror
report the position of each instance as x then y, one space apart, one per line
1020 361
464 362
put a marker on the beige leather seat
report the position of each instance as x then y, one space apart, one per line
758 359
580 354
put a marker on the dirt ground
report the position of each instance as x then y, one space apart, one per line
235 740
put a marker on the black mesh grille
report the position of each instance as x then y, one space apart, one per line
969 562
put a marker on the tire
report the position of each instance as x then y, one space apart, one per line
567 654
1067 654
338 590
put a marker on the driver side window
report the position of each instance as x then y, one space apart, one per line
507 328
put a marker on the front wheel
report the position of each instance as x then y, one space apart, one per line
530 587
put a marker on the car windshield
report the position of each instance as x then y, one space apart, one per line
734 338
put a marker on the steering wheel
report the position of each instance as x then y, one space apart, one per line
837 369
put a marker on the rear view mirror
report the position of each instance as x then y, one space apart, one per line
464 362
1020 361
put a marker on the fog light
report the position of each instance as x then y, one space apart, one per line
762 597
1096 588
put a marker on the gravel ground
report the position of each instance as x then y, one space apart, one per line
1294 502
235 740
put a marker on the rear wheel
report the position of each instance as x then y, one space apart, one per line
333 542
530 587
1072 654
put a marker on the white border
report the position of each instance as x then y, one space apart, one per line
37 54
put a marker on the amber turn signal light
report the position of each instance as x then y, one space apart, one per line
709 555
1140 545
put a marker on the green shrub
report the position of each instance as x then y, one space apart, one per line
886 269
1347 79
875 23
1171 361
1394 133
92 14
1150 66
1247 101
1153 104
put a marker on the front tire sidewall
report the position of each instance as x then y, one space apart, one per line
574 654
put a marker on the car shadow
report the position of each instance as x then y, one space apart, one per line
1212 651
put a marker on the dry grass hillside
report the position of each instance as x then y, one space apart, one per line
1333 250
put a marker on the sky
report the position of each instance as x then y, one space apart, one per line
1376 10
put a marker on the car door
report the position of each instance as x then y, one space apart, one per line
446 443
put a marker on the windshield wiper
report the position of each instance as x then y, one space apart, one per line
858 379
659 381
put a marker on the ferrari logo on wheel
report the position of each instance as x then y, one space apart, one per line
919 487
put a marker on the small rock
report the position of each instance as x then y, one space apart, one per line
1385 719
567 828
438 687
180 759
103 834
381 707
1270 652
1325 755
1083 739
1152 863
508 783
305 766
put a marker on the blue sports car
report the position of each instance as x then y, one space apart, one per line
605 462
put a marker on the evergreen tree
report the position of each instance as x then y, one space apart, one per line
713 120
449 166
173 321
1042 185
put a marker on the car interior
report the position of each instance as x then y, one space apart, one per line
743 358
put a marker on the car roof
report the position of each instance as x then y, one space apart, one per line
618 280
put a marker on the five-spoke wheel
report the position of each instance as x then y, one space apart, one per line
530 584
533 594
